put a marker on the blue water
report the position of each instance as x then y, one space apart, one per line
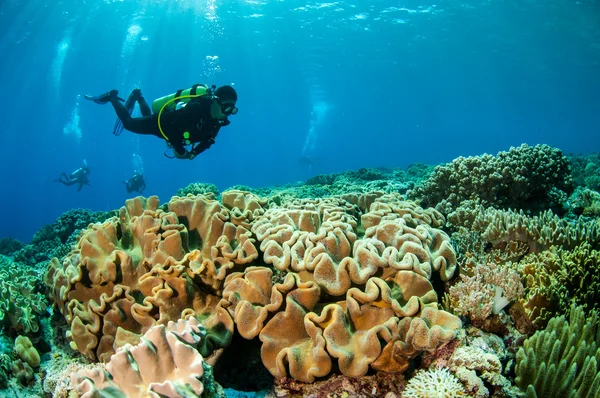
350 83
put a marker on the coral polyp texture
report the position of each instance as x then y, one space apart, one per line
333 283
527 177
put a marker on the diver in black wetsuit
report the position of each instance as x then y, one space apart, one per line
79 176
135 183
196 123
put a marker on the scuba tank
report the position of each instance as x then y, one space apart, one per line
171 102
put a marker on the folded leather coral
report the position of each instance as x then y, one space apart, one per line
323 283
164 364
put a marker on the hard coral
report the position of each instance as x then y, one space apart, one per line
433 383
523 178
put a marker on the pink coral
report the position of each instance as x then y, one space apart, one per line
486 292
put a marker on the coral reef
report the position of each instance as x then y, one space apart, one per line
433 383
55 240
485 294
164 364
298 276
557 278
537 232
328 288
523 178
22 301
585 202
562 360
198 188
8 246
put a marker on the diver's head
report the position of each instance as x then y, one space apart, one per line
224 102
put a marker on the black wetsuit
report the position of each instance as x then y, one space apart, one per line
194 118
135 184
79 176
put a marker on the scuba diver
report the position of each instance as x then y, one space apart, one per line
135 183
79 176
191 117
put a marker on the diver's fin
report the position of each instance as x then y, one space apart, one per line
129 105
104 98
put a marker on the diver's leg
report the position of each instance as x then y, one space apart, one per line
66 180
144 108
121 111
147 125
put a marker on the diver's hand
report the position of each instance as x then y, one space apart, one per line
191 156
184 155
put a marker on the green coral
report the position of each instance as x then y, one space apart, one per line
54 240
562 360
21 299
578 278
8 246
198 188
527 178
557 278
585 202
586 170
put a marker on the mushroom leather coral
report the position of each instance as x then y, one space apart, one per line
131 273
164 364
302 275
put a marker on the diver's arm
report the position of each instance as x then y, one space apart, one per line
180 151
207 143
202 146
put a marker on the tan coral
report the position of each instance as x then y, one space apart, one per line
394 205
426 247
244 207
246 296
233 249
162 365
290 344
354 333
361 297
427 331
127 275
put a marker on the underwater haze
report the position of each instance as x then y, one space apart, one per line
323 87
